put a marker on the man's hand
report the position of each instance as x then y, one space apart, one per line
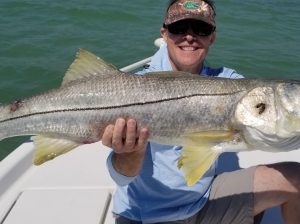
129 145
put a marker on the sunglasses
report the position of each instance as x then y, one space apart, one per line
198 27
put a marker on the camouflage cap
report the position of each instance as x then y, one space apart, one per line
190 9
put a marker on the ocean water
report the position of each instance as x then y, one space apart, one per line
39 40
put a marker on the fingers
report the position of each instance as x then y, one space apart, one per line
107 135
143 138
117 138
131 135
123 137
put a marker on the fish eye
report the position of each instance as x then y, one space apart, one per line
261 107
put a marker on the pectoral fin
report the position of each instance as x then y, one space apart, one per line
200 150
48 148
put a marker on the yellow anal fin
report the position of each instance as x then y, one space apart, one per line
199 153
48 148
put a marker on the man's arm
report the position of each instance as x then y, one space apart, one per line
129 146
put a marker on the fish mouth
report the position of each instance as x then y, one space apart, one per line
292 143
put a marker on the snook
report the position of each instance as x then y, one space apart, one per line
206 115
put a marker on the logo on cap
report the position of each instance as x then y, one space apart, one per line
191 5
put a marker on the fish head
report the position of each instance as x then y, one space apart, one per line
269 116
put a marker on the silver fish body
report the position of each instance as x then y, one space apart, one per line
81 109
177 108
168 106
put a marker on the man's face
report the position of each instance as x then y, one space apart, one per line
187 51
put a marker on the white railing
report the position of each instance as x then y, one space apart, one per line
158 42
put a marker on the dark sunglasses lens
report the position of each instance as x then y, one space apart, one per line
201 28
180 27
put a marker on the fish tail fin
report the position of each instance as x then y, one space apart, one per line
5 114
199 152
48 148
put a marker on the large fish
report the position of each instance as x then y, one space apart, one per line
206 115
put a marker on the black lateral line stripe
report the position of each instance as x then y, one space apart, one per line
114 107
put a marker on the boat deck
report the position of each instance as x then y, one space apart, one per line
73 188
76 187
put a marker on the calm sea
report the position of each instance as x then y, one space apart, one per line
39 39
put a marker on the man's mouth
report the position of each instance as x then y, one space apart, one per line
188 48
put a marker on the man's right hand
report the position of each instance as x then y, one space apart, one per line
128 144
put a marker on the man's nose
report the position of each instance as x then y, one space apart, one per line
190 35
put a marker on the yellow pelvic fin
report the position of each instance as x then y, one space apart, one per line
199 153
48 148
87 64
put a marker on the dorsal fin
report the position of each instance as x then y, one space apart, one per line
85 65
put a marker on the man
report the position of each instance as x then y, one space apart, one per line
151 189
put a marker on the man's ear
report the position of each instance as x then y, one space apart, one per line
163 33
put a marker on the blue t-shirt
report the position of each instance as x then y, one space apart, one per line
159 193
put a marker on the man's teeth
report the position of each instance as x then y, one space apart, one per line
188 48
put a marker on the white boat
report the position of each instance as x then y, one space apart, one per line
76 188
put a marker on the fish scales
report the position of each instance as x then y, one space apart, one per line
93 101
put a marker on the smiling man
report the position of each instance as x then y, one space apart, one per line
189 31
151 188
